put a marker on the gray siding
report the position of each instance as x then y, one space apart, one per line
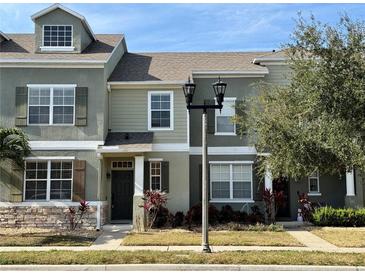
81 38
10 78
129 112
195 180
278 74
332 188
236 87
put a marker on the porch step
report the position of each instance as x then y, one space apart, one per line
293 224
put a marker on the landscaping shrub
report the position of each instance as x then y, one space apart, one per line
194 215
328 216
227 215
255 216
153 202
161 218
178 219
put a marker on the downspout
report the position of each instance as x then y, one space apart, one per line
98 194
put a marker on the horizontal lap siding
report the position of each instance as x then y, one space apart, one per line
278 74
129 112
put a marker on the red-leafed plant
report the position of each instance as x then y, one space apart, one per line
75 217
307 207
273 201
154 201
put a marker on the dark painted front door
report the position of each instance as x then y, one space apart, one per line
122 195
282 184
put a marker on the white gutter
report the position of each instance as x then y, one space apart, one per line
269 59
115 83
231 72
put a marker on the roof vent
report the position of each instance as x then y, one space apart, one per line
126 136
273 50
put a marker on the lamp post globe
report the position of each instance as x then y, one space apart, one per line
189 89
219 88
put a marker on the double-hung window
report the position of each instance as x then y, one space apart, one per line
57 36
230 181
160 110
51 105
155 175
313 184
224 124
48 180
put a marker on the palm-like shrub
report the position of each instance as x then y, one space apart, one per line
14 145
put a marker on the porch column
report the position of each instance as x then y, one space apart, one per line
268 178
138 212
98 194
350 183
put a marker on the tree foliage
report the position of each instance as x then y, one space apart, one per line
14 145
317 121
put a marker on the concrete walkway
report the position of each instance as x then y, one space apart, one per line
310 240
178 267
111 237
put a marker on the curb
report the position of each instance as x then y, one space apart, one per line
185 267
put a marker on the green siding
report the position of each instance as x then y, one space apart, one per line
129 112
278 74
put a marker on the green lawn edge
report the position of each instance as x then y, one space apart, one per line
160 257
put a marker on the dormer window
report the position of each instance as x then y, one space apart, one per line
57 38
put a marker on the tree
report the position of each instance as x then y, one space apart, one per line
317 121
14 145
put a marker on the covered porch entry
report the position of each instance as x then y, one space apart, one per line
123 160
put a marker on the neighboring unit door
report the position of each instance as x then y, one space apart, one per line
122 195
282 184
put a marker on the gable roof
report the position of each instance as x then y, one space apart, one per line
21 48
73 13
2 34
178 66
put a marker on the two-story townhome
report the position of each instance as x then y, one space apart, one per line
106 124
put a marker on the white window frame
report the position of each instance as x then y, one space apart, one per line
217 113
160 163
48 191
51 87
231 199
314 193
58 48
122 168
150 128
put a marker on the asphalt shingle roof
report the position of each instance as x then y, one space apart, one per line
128 138
21 46
176 66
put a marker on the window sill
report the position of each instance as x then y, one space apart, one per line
160 129
231 201
57 48
314 194
225 134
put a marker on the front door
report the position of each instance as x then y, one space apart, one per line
282 184
122 195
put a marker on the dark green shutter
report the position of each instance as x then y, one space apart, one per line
146 181
240 112
211 116
81 106
165 177
21 105
79 178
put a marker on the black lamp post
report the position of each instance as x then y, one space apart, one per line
219 88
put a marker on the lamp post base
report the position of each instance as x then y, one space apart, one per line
206 248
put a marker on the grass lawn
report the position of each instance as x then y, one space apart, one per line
342 237
183 237
154 257
46 237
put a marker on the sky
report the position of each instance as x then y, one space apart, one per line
189 27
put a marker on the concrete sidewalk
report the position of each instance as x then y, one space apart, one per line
178 267
111 238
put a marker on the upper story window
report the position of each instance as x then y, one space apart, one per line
48 180
230 181
160 110
313 183
57 37
51 105
223 120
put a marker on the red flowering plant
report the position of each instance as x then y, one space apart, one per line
154 200
307 207
273 201
75 217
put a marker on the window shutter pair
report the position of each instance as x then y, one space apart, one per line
165 176
21 105
201 182
211 115
79 178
